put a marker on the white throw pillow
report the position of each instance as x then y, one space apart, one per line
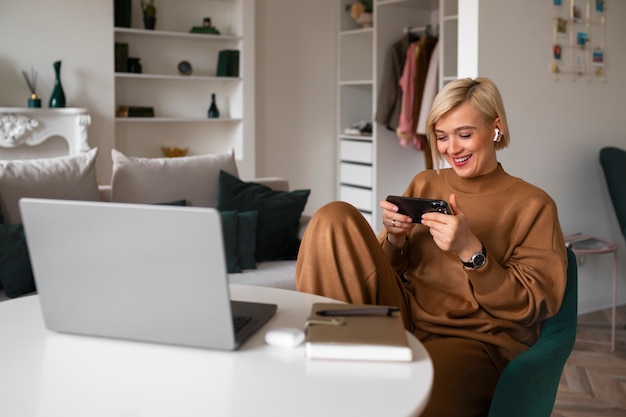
67 177
161 180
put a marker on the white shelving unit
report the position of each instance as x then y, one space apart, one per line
372 167
448 38
181 102
355 92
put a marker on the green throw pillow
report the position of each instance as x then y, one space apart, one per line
278 218
246 239
239 234
174 203
229 234
16 274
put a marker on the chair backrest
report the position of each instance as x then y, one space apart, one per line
529 384
613 161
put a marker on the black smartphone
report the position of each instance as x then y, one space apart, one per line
415 207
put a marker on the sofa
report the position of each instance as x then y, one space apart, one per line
262 220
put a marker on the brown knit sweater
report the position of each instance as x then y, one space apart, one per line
523 281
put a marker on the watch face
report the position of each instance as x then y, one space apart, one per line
478 260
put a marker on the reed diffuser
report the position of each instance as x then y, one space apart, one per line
31 82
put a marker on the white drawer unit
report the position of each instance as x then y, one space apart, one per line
355 174
361 198
355 151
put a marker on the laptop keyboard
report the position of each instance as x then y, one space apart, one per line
240 321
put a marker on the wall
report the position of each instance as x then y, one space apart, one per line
296 90
558 127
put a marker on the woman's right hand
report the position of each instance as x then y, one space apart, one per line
398 225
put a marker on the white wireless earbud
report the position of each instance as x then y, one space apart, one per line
497 137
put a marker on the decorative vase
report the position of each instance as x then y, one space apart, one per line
57 99
365 20
149 22
134 65
213 112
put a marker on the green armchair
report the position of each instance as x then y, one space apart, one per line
528 385
613 161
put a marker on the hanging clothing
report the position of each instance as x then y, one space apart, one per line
390 94
412 85
431 87
405 129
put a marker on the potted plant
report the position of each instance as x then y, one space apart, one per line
361 12
149 14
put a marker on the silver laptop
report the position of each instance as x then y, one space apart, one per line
143 272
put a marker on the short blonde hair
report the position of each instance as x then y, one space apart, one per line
482 93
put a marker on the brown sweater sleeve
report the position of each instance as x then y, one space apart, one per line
527 284
398 257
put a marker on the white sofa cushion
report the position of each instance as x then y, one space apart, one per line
275 274
158 180
67 177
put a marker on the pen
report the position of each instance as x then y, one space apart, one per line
366 311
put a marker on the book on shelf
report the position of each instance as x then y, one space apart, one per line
582 241
134 111
228 63
121 57
122 13
361 333
208 30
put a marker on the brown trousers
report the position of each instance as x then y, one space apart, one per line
340 258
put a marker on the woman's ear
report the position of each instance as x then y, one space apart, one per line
497 125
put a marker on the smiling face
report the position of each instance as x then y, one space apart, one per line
461 124
466 141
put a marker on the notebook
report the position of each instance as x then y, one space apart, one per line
151 273
356 332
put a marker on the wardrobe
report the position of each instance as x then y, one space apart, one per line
373 162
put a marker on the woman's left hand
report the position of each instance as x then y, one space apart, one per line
451 232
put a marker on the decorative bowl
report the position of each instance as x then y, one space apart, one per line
174 152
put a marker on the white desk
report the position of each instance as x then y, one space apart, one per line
49 374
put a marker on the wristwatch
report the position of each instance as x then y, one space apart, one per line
478 259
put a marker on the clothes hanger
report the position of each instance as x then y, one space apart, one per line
411 35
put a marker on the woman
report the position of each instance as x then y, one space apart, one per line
474 285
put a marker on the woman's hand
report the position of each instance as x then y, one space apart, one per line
451 232
398 225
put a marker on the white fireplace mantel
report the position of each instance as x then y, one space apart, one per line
30 126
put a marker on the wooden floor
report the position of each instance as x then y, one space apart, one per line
594 379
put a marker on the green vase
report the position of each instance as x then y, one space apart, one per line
57 99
